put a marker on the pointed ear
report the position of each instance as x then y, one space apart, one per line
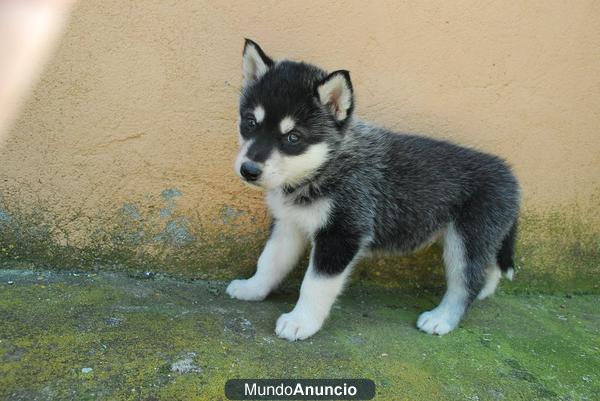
255 63
335 92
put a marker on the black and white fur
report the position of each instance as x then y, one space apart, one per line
348 188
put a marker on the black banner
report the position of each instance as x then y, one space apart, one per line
300 389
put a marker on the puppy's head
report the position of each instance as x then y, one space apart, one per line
292 116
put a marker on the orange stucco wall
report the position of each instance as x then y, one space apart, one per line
135 115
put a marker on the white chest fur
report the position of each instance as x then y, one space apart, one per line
308 218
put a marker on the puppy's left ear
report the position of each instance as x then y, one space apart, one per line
255 63
335 92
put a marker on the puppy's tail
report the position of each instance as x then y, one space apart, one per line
506 253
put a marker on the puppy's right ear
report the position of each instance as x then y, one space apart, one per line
255 63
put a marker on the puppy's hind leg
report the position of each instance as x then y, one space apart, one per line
446 316
492 278
283 249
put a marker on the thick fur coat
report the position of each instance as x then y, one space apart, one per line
347 188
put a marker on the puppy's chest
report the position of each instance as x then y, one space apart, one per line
309 217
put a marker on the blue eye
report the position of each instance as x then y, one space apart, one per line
293 138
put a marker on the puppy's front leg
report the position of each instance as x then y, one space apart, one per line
284 247
330 264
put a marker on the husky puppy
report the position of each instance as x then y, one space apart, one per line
348 188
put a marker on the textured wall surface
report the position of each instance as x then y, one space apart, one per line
125 149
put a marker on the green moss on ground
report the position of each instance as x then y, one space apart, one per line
110 336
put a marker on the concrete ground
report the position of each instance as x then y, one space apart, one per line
96 336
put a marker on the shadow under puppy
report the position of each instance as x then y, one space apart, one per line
348 188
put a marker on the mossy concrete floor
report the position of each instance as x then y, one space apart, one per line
86 336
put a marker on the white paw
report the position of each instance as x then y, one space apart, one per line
438 321
247 290
297 326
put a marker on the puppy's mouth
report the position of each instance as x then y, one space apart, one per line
256 185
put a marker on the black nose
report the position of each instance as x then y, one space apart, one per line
250 171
